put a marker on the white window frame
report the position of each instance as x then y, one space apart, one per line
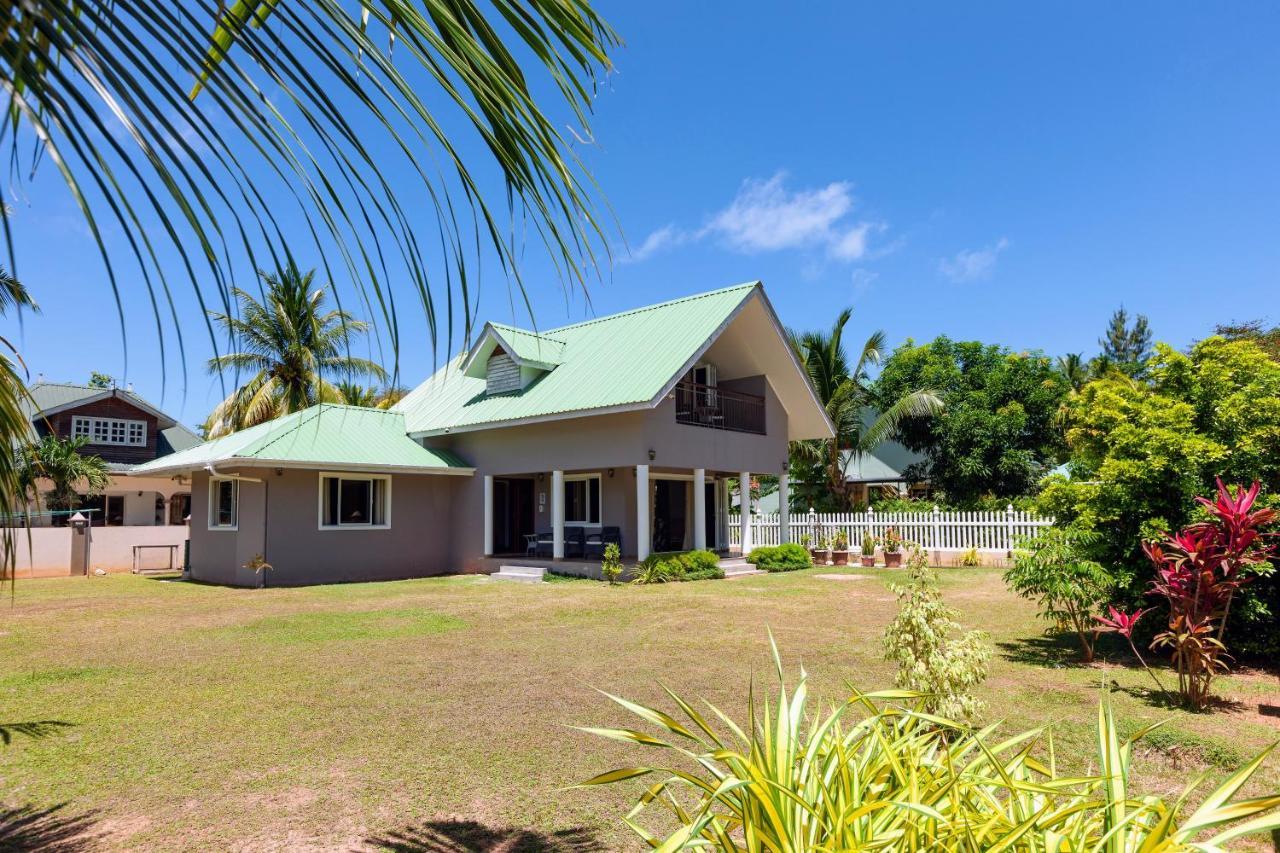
235 504
570 478
108 426
352 475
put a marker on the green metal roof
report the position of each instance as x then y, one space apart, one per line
612 362
48 396
346 437
530 347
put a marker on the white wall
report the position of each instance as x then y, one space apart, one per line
48 550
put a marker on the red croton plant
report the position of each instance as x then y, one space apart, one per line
1198 572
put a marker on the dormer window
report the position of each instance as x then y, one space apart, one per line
110 431
502 374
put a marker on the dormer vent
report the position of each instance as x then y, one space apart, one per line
502 374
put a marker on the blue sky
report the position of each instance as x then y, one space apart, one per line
1008 172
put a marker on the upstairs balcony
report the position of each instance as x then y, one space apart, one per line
717 408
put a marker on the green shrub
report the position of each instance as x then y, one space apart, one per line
611 565
970 558
931 658
780 558
671 566
868 776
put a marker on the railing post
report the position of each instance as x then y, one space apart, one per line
1008 528
871 520
935 532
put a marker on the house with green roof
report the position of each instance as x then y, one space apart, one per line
126 431
535 446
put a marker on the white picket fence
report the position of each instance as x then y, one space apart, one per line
937 530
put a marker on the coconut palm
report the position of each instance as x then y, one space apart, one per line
368 396
1074 369
198 128
72 474
15 427
846 393
290 348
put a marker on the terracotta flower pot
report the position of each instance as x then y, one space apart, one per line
840 558
893 559
819 556
869 562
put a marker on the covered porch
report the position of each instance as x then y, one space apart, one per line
572 515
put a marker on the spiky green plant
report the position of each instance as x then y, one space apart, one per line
878 773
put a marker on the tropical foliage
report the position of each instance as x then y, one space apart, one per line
819 467
998 432
15 428
877 772
780 558
934 659
290 350
611 563
1141 451
1199 573
196 128
1053 570
70 473
674 566
1126 347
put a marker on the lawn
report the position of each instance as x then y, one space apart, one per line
436 714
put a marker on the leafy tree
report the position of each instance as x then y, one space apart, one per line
15 426
1127 347
196 129
846 392
1268 339
290 347
1071 589
1141 451
101 380
998 430
72 474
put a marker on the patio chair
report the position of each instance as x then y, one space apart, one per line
543 542
531 544
575 542
596 542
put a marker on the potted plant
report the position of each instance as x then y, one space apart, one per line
817 550
868 550
892 548
840 548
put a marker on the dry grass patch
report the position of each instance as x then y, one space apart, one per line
363 716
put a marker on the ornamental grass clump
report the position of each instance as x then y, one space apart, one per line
876 772
934 659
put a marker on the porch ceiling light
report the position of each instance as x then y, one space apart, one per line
652 455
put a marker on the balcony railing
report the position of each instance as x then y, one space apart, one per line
717 408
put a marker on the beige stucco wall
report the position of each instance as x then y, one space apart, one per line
415 545
46 551
596 444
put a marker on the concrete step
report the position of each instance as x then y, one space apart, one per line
737 567
519 574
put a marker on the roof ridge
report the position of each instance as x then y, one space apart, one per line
524 331
718 291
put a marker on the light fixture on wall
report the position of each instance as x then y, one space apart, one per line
652 454
279 472
610 473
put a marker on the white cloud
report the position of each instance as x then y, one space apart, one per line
862 280
973 264
767 216
664 238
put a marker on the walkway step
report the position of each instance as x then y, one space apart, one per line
519 574
737 567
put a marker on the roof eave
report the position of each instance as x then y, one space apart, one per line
257 462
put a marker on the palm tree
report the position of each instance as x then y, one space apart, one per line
15 425
1073 368
846 394
73 475
197 128
368 396
290 347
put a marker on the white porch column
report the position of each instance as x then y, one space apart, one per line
723 521
642 512
744 510
784 509
557 515
699 509
488 515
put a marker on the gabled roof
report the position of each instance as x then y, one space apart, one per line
346 437
622 362
49 398
527 349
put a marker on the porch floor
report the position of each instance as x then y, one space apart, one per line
732 564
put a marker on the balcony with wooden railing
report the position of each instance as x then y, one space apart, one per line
717 408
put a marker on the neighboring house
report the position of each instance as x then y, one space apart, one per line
125 431
551 443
